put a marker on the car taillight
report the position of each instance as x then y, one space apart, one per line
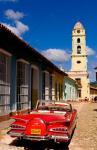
17 127
60 129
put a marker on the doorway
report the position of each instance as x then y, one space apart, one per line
34 86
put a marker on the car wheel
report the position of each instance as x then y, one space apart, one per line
65 144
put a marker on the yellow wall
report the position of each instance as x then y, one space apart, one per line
59 82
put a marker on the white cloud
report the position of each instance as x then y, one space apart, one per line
90 51
8 0
18 29
57 55
11 14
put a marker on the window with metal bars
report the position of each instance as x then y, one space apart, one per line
4 83
50 87
22 86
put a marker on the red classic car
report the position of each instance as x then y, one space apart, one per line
48 121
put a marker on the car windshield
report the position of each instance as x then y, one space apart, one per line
54 106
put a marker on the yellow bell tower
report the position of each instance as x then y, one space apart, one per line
79 60
79 54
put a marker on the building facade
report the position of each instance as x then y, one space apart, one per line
70 89
25 76
79 70
93 87
93 92
59 86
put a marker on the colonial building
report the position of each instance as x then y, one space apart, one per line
93 87
79 70
25 76
70 89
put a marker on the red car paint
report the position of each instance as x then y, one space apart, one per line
49 121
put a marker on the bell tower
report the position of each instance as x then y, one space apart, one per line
79 54
79 60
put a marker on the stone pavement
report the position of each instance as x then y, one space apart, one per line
5 124
85 135
4 127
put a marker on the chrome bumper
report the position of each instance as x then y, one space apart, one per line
65 138
56 138
49 137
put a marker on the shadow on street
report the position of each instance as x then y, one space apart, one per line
29 145
94 109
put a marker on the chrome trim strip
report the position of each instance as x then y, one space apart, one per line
38 138
18 125
20 119
12 128
16 134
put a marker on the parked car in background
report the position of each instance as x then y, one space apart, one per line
95 99
50 120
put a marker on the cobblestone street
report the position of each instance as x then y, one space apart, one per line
84 138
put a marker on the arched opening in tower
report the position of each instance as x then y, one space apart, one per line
78 49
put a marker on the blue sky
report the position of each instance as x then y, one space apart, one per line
47 25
